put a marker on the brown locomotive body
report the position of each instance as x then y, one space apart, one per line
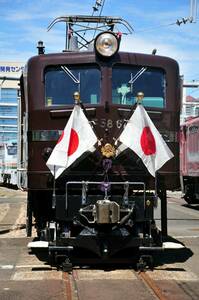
72 213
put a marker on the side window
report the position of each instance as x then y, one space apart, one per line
62 81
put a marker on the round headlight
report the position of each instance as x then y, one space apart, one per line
106 44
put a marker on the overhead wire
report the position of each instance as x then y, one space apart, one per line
178 22
154 28
191 19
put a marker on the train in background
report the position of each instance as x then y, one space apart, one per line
189 160
96 212
8 163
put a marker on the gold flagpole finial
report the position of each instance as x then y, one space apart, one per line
139 97
76 97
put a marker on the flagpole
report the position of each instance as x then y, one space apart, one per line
54 195
78 101
156 187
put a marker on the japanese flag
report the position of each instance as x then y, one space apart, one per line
77 138
143 138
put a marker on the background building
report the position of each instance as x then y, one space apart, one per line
190 101
9 97
10 73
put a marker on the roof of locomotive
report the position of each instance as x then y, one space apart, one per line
91 57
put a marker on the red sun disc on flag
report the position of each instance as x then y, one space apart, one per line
147 141
73 143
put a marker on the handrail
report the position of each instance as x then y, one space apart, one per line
108 20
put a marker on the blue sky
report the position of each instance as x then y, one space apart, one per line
24 22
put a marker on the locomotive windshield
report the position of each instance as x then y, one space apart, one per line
60 85
127 81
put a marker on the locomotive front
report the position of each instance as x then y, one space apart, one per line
102 206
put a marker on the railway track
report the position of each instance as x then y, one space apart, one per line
86 284
163 283
24 274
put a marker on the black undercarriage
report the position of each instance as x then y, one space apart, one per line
105 223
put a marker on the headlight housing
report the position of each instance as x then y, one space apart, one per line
106 44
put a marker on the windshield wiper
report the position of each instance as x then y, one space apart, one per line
137 75
71 75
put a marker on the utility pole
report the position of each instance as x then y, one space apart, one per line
193 11
192 15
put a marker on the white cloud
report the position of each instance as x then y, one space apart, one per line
43 10
24 23
142 45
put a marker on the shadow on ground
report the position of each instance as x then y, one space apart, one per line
192 206
171 256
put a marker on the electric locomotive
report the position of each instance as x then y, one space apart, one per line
102 206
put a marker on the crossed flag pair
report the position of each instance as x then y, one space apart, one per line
140 135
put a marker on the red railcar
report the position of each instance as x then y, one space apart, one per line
189 160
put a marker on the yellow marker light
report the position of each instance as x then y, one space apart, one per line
140 97
76 97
